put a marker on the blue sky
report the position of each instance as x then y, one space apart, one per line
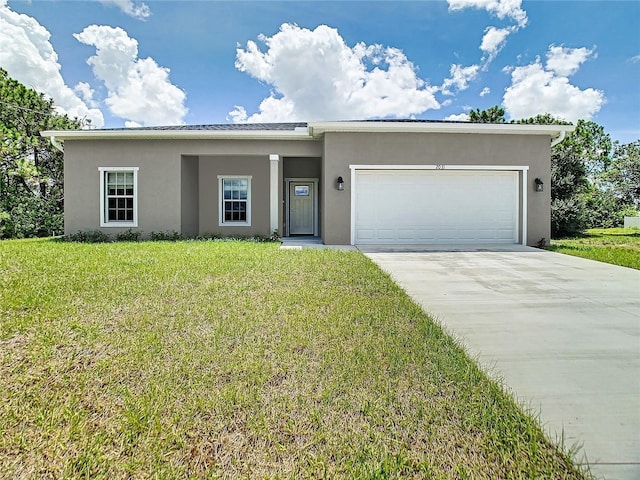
171 62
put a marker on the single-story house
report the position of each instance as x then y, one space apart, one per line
352 182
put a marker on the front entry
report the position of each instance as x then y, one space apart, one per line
302 213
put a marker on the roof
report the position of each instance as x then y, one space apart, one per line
221 127
304 130
437 126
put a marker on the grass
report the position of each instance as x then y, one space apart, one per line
618 246
240 360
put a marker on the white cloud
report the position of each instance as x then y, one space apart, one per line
459 117
138 10
28 56
635 59
500 8
493 41
86 92
485 91
316 76
460 78
138 89
566 61
536 90
238 114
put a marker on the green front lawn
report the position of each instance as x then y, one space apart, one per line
619 246
239 360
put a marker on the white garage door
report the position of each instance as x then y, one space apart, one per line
436 206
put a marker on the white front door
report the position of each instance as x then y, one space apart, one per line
301 208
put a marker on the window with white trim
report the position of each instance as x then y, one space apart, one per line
118 196
235 200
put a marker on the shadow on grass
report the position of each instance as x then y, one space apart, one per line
583 236
555 248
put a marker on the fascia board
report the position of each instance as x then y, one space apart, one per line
177 134
319 128
314 131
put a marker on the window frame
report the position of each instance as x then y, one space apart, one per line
221 200
104 219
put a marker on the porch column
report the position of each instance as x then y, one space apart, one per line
274 158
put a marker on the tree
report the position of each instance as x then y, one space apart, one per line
595 146
622 178
604 209
31 170
494 114
542 119
576 163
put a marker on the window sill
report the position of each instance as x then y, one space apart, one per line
234 224
119 224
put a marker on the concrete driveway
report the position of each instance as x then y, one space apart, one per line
562 332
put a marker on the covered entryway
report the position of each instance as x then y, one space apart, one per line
436 206
302 206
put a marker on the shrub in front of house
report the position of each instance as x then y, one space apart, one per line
129 236
88 236
98 236
166 236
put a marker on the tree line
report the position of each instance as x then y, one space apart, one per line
594 182
31 170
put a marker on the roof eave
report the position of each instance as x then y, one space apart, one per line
133 134
313 131
319 128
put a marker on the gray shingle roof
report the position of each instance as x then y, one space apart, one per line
224 127
282 127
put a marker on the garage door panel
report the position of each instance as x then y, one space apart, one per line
434 206
444 234
425 233
366 234
505 234
385 234
469 234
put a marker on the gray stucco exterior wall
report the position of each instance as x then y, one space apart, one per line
190 196
178 179
255 167
158 185
344 149
302 167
